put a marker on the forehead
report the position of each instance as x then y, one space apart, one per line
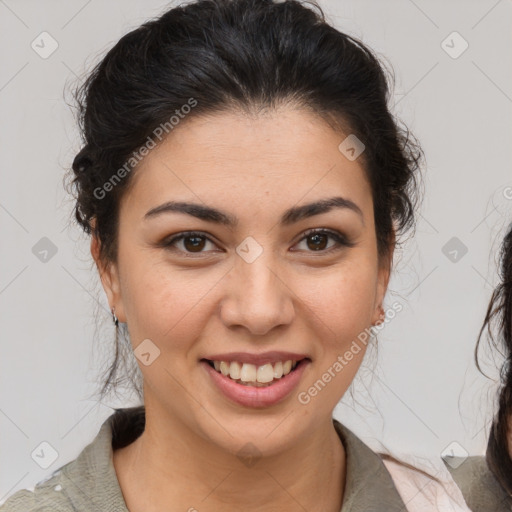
230 158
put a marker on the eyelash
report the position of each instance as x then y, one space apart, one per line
340 239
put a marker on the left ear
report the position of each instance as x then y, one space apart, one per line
384 274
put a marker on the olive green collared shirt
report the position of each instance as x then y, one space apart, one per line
89 483
480 489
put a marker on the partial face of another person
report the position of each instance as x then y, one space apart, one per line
251 280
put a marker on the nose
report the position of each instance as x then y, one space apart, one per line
257 296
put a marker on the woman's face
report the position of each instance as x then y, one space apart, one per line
258 286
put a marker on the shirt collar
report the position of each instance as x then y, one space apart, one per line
91 478
368 485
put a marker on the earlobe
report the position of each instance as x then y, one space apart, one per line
382 285
379 316
109 279
379 313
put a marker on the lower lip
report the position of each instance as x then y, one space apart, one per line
250 396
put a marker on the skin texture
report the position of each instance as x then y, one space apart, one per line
293 297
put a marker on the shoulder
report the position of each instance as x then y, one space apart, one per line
409 483
46 496
88 482
478 485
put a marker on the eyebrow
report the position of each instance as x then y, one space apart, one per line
290 216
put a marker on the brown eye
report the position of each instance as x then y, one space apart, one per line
317 240
191 242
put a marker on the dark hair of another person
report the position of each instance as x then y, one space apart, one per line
499 320
238 56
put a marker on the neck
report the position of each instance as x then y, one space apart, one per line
168 464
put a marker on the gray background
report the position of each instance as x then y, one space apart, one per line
421 392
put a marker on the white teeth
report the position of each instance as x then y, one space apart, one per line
278 370
234 370
265 373
224 368
250 374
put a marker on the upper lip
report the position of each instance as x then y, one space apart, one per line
258 359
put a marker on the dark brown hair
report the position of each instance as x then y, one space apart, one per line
242 55
498 322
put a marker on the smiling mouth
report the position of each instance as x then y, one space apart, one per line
251 375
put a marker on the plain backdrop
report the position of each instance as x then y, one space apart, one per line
420 393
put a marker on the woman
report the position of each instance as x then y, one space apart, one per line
244 184
486 490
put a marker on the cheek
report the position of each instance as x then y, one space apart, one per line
339 309
165 306
343 301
